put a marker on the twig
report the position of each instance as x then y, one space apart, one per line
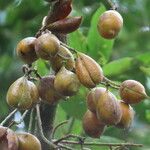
41 129
65 147
112 5
106 80
59 125
101 144
70 125
20 121
109 85
8 117
31 120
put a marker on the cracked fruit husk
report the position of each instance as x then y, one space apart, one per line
88 71
66 82
22 94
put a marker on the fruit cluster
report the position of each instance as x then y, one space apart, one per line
71 70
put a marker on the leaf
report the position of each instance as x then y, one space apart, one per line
78 41
145 70
144 58
118 66
99 48
75 106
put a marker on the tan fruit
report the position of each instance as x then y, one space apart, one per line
132 91
92 126
108 108
93 97
63 57
46 46
8 139
47 91
127 115
66 82
28 141
88 71
109 24
26 51
22 94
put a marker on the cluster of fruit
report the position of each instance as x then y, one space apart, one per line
103 107
18 141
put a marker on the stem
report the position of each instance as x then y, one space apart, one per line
71 123
111 82
41 129
31 121
8 117
112 5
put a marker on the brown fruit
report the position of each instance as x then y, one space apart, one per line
47 91
93 97
46 46
88 71
108 108
109 24
132 91
8 139
26 51
92 126
66 82
22 94
127 115
63 57
28 141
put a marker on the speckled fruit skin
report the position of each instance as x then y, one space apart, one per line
109 24
93 97
46 46
8 139
108 108
88 71
26 51
92 126
63 57
28 141
127 115
22 94
132 91
66 82
47 91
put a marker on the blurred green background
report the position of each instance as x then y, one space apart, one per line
128 57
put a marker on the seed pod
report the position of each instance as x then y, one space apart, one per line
108 108
61 10
28 141
46 46
127 115
132 91
8 139
92 126
63 57
93 97
66 82
88 71
66 25
47 91
109 24
22 94
26 51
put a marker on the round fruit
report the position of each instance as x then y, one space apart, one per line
88 71
8 139
47 91
26 51
109 24
108 108
66 82
22 94
46 46
63 57
28 141
93 97
132 91
127 115
92 126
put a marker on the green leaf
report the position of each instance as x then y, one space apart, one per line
99 48
75 106
118 66
145 70
78 41
144 58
